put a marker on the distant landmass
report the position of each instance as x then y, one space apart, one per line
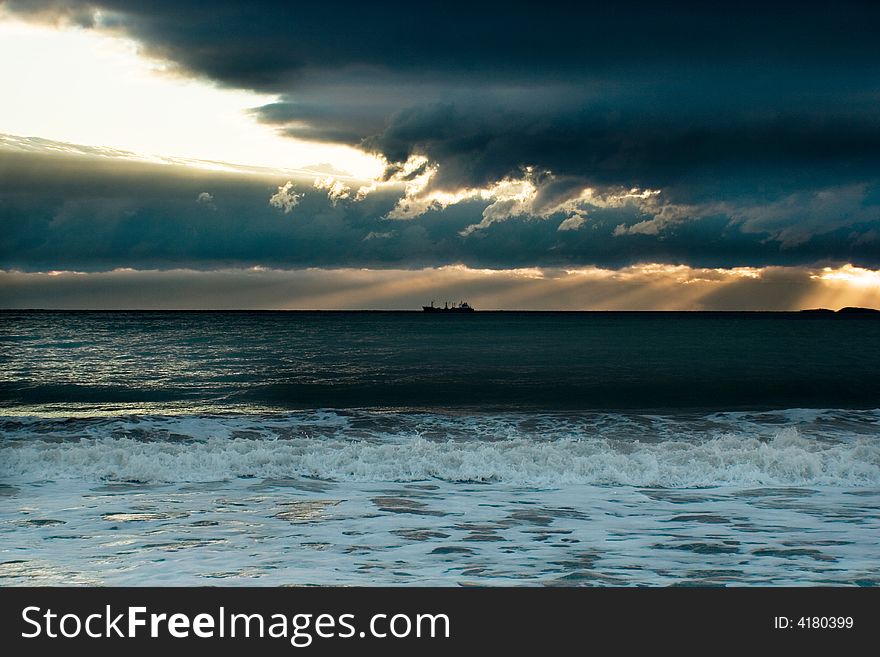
849 310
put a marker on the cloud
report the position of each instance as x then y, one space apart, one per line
252 48
89 213
375 235
742 113
336 189
285 197
664 216
791 220
729 158
795 218
58 12
641 287
574 222
206 198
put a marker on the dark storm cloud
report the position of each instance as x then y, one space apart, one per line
729 155
317 121
758 121
267 44
88 213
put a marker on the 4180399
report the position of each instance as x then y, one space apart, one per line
814 623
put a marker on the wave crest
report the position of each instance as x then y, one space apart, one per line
785 459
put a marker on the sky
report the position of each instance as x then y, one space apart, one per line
626 156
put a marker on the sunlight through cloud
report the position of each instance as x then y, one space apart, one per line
97 90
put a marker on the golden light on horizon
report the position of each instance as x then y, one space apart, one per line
846 286
851 275
648 286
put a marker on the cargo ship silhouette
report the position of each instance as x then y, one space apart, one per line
462 307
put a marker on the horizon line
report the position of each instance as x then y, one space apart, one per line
866 310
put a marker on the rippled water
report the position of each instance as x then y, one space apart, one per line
366 497
388 448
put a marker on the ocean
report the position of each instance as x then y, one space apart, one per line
365 448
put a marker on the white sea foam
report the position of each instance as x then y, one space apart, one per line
786 498
209 449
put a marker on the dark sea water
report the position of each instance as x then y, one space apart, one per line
402 448
540 361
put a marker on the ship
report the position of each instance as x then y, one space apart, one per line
462 307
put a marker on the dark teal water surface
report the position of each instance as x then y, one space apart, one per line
553 361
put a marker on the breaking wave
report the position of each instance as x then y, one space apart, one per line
538 452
